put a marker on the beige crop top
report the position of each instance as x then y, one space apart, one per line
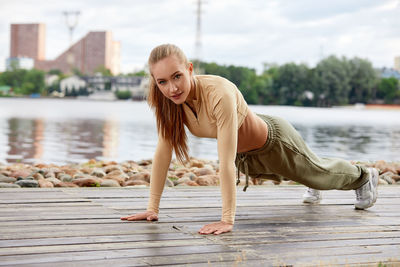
220 114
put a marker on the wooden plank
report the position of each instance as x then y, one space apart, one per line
111 254
81 226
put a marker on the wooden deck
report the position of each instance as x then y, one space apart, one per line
81 227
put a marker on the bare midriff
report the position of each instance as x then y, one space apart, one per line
253 133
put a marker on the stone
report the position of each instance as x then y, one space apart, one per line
144 162
80 175
120 179
86 182
86 170
191 183
54 181
382 182
70 171
169 183
5 179
98 173
182 180
180 173
196 163
9 185
136 182
43 183
207 180
118 173
203 171
38 176
20 173
144 176
387 176
27 183
65 177
49 175
396 178
190 175
109 183
383 166
66 184
111 168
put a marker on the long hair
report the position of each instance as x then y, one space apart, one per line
170 116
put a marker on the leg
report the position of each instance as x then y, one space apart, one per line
290 157
285 154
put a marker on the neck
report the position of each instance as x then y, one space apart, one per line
192 93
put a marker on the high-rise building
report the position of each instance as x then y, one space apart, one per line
397 63
28 41
92 51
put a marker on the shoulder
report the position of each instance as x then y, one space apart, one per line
216 87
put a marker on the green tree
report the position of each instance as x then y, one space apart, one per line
103 70
292 81
388 90
331 81
24 82
123 94
363 80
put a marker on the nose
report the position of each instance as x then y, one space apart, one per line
172 87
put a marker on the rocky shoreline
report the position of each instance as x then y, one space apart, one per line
137 174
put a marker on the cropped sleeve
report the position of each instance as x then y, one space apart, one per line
225 112
161 162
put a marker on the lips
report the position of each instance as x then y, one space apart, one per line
176 96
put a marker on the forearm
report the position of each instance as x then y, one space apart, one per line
161 162
228 192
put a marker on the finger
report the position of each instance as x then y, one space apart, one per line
208 231
152 217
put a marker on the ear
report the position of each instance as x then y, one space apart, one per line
190 67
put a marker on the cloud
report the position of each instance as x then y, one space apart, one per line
233 31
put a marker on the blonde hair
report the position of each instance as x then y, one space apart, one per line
170 116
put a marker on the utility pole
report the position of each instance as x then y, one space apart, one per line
71 24
198 39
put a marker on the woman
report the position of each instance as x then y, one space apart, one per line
260 146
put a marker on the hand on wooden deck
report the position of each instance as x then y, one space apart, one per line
216 228
147 215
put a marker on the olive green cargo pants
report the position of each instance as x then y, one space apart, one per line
285 155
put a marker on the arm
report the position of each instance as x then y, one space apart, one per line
161 161
159 170
225 112
227 145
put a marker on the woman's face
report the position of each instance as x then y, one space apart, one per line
173 78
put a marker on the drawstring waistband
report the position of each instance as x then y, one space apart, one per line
241 159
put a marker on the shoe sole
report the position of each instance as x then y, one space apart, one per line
309 201
373 173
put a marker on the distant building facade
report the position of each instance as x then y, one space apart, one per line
92 51
20 63
397 63
389 73
97 83
28 41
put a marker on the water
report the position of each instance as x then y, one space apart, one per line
72 131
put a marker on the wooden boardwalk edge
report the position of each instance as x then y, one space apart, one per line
81 227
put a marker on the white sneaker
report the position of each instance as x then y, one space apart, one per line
366 195
312 196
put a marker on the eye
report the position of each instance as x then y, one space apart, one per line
177 76
161 82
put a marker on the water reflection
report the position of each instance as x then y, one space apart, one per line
35 140
25 139
70 132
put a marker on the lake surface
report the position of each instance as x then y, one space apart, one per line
72 131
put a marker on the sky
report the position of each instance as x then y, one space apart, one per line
238 32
